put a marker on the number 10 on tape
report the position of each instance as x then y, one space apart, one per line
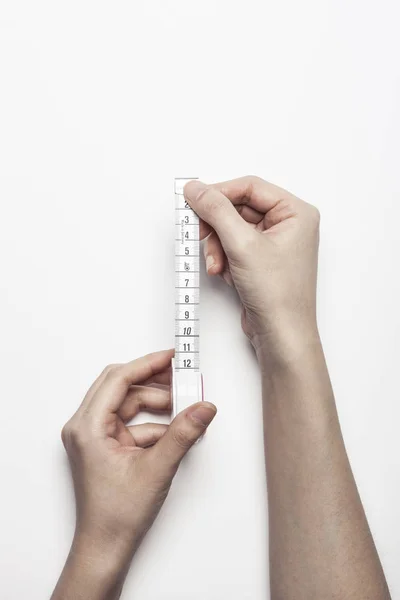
187 383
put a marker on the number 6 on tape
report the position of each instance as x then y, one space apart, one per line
187 381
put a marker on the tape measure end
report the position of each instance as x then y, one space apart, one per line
180 182
186 389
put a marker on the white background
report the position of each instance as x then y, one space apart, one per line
102 104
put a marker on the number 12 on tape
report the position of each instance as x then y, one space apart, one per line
187 383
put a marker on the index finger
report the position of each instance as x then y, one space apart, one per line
245 211
252 191
112 391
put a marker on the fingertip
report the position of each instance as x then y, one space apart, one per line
202 413
210 405
193 190
214 255
211 266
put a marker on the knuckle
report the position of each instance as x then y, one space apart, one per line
109 368
181 439
315 215
65 433
212 201
254 183
73 436
254 179
140 399
114 371
68 433
78 438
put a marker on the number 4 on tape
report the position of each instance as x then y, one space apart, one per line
187 381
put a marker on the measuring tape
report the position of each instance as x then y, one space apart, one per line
187 384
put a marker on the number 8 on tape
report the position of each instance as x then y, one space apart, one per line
187 382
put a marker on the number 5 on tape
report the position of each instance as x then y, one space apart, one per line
187 381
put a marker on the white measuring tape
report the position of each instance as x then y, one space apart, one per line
187 385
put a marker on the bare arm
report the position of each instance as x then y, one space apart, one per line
122 474
320 543
264 241
95 570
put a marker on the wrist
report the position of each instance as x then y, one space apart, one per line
95 569
296 382
285 338
101 557
103 548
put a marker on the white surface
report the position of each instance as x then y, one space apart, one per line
101 105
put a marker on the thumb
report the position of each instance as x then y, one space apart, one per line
187 427
218 211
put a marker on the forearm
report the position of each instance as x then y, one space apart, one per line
122 473
95 570
320 543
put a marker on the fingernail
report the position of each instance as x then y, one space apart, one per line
194 189
210 262
203 414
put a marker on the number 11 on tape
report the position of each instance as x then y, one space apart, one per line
187 382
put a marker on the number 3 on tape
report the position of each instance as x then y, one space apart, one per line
187 381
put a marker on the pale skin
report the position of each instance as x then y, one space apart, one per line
263 241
